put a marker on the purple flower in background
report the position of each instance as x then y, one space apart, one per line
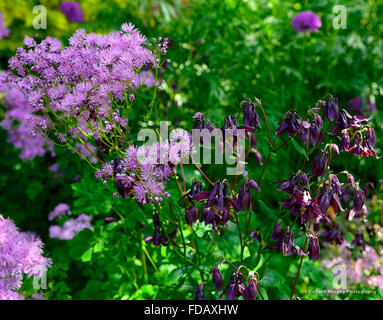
70 228
356 105
73 11
4 31
306 21
20 253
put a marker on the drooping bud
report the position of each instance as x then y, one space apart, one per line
200 292
217 278
314 248
191 215
251 289
316 128
320 164
331 110
345 141
357 204
335 148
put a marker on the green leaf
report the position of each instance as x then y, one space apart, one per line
300 149
271 279
265 209
87 255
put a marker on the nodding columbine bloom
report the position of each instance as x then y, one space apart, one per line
196 187
217 278
359 240
191 215
345 141
316 129
249 292
290 123
244 198
256 235
357 205
320 164
284 242
314 248
296 180
304 130
200 292
159 236
333 235
235 287
306 21
250 116
331 110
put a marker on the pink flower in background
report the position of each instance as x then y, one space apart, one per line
60 210
306 21
4 31
73 11
366 268
20 253
71 227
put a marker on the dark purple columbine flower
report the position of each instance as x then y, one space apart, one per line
73 11
217 278
200 292
236 286
296 180
191 215
304 130
316 128
359 240
331 110
306 21
345 141
244 198
255 235
356 105
333 235
249 292
314 248
357 205
320 164
250 117
290 123
284 242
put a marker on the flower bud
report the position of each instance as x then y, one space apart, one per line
217 278
314 248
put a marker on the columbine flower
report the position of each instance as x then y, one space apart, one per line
320 164
200 292
306 21
250 291
217 278
331 110
314 248
72 10
284 242
357 205
191 215
333 235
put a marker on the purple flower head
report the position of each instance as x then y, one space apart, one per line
200 292
331 110
320 164
217 278
191 215
250 293
250 117
316 128
333 235
289 124
73 11
314 248
306 21
345 141
256 235
21 254
284 242
356 105
357 205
